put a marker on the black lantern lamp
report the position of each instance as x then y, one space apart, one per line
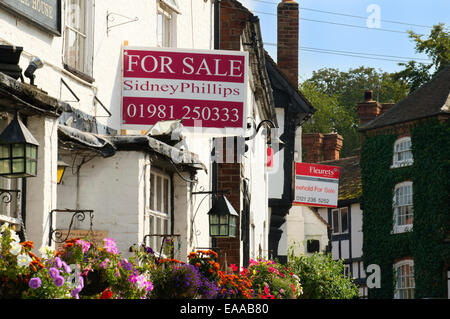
222 218
18 151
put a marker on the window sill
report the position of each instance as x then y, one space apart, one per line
402 229
10 220
81 75
402 164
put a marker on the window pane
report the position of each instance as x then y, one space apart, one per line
224 219
344 220
4 151
152 192
158 193
77 15
335 221
166 226
18 166
232 231
18 150
213 219
4 166
223 230
166 196
159 29
214 230
158 226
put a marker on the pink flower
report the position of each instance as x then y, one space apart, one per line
253 262
110 246
104 264
84 245
233 267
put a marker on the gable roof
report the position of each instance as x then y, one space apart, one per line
430 99
284 93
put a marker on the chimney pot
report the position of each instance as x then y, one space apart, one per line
368 95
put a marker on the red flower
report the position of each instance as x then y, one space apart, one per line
233 267
106 294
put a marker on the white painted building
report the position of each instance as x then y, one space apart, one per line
124 177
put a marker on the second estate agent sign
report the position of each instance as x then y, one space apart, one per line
316 185
203 88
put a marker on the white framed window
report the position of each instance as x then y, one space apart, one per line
10 192
402 153
403 207
339 220
160 208
166 23
79 36
404 279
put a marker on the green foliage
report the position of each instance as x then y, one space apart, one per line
335 94
436 47
430 175
321 277
330 116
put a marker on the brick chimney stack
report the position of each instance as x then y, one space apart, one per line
321 147
369 109
287 43
332 145
312 146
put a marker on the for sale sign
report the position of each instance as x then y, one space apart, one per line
200 87
316 185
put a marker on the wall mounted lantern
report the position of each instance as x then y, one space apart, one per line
222 218
61 169
18 151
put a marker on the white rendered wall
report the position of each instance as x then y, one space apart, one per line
41 189
302 224
115 189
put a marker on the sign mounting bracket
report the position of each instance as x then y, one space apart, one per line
110 17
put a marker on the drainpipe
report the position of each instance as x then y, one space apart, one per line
217 24
215 167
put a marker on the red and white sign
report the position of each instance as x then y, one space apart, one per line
316 185
171 84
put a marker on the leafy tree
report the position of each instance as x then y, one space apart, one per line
330 116
436 47
335 94
321 277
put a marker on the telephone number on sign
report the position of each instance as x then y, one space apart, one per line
309 199
185 112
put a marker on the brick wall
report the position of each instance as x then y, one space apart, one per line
229 179
321 147
232 21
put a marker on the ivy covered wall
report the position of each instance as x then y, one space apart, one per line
430 174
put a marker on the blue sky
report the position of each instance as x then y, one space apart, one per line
360 39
